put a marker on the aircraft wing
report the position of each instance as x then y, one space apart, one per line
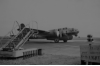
41 34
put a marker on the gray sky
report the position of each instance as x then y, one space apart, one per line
81 14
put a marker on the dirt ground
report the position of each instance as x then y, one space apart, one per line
53 53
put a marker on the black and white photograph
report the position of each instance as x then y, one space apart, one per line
49 32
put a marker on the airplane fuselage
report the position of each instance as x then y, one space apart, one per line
55 34
52 36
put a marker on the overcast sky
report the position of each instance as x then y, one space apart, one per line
81 14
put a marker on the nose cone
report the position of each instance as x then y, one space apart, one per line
76 32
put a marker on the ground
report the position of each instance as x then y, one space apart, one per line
53 53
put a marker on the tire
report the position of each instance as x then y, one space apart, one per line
64 40
56 40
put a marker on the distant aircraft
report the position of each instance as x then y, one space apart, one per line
64 34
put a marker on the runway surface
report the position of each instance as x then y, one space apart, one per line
53 53
71 48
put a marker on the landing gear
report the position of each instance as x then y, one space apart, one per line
56 40
64 40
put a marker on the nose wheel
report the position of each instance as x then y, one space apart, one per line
56 40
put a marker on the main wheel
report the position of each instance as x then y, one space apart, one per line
64 40
56 40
